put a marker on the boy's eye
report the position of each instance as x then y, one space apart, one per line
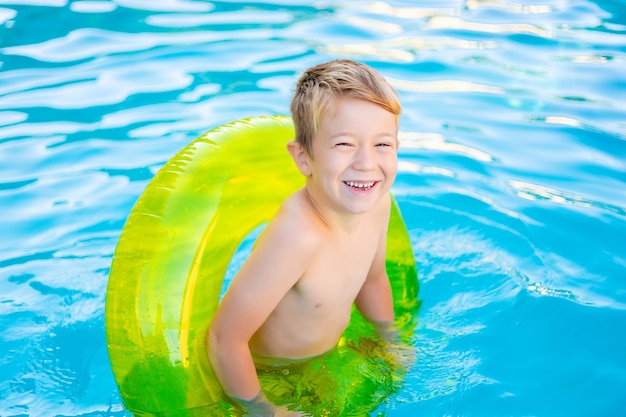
384 144
343 144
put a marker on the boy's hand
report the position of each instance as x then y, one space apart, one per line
387 331
284 412
260 406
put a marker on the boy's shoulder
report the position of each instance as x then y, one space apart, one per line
297 224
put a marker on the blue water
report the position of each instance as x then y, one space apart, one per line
512 180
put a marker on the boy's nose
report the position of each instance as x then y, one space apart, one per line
364 159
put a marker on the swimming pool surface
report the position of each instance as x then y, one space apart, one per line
512 180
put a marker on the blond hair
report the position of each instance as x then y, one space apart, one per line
320 86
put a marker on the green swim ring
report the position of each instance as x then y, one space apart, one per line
169 266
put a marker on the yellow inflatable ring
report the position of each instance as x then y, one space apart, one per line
168 268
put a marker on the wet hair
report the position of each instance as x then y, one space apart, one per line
319 88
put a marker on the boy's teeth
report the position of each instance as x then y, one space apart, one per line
360 184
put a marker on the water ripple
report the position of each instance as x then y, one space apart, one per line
92 6
445 86
448 22
415 141
180 20
538 192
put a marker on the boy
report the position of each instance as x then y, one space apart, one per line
325 249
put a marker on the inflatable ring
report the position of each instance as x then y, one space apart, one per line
168 268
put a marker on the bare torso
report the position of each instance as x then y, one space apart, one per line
311 317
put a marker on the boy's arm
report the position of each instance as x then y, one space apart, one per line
375 301
279 259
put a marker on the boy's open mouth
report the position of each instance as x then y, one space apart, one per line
360 185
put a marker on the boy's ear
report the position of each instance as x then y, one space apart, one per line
300 157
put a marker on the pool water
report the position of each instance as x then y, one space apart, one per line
512 180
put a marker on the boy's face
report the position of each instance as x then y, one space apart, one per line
354 156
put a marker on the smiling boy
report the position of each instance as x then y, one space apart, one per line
324 251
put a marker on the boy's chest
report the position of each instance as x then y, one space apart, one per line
338 273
